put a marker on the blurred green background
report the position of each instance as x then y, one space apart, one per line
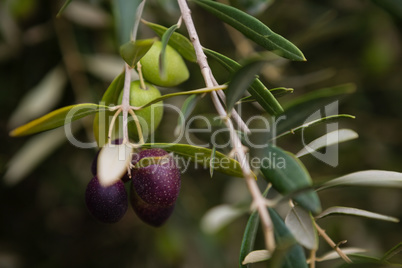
72 59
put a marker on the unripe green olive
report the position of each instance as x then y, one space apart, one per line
149 117
176 71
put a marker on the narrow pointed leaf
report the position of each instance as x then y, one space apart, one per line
133 51
321 120
201 156
375 178
165 39
277 92
334 137
300 224
281 91
287 175
240 82
102 120
178 41
124 12
58 118
250 233
253 29
256 256
355 212
257 89
392 252
288 254
65 5
186 109
312 106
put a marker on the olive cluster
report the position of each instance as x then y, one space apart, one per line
154 188
154 177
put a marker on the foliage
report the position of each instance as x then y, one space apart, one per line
293 188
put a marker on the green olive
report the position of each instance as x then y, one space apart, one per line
176 71
149 117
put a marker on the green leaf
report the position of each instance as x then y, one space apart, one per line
374 178
281 91
201 156
250 233
308 107
253 29
257 89
102 120
277 92
240 82
355 212
323 93
165 39
186 109
125 17
287 175
314 123
287 254
177 41
65 5
58 118
392 252
331 138
133 51
300 224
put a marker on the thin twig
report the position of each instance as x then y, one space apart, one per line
125 104
322 233
258 199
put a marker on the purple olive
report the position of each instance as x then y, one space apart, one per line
155 186
150 214
107 204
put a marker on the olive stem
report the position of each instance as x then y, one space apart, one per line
322 233
138 125
125 104
258 199
109 136
139 70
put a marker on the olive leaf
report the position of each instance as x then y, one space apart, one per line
162 56
58 118
133 51
257 89
253 29
178 41
241 80
288 175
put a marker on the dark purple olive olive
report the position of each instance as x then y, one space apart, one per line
155 186
107 204
158 183
150 214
